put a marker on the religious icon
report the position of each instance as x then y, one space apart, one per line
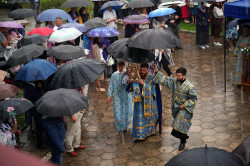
133 73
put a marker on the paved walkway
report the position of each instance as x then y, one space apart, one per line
221 119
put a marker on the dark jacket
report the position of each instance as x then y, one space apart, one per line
200 16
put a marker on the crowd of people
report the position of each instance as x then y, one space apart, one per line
140 99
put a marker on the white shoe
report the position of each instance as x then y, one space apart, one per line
202 47
217 44
207 46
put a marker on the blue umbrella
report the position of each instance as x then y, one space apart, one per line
161 12
116 5
103 32
80 27
37 69
51 14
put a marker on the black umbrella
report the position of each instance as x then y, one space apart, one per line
77 73
20 14
205 157
61 102
154 39
140 4
19 1
76 3
25 54
66 52
33 39
96 22
14 106
120 50
243 151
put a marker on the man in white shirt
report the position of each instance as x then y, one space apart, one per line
110 17
59 22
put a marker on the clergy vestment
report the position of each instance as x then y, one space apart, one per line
238 72
182 94
145 117
122 103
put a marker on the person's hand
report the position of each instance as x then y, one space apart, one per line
104 61
155 68
129 80
73 117
103 46
172 21
176 17
108 99
64 119
18 132
73 41
140 81
8 38
14 128
182 107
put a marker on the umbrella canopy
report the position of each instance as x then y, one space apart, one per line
76 3
77 73
61 102
2 75
135 19
45 31
21 158
19 1
32 39
96 22
25 54
7 91
205 157
52 14
120 50
168 3
66 52
237 21
10 24
243 151
37 69
65 34
140 4
13 107
161 12
154 39
80 27
103 32
20 14
116 5
238 9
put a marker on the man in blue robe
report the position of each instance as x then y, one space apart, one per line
184 99
146 116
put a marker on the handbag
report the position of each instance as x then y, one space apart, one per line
110 61
203 23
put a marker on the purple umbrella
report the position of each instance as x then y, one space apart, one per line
80 27
10 24
103 32
135 19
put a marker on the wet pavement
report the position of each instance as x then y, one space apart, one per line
221 119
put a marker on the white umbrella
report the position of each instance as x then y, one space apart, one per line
64 34
169 3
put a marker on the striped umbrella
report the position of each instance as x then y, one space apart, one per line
64 34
